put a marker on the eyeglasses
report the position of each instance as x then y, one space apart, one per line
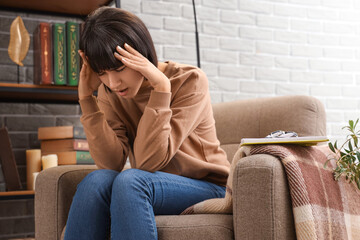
282 134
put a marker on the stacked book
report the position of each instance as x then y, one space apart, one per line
56 58
67 142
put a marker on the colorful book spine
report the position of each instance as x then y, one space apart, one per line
59 52
61 145
43 73
73 58
61 132
72 157
83 157
79 132
81 145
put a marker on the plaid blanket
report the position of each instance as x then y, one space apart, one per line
322 207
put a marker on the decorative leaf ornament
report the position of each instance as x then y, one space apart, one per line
19 41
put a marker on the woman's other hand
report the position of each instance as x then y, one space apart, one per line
89 80
136 61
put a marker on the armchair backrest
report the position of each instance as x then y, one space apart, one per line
255 118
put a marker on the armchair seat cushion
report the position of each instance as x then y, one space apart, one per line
193 227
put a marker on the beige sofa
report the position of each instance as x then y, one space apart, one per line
262 206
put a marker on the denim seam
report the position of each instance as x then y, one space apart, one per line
150 180
187 185
149 215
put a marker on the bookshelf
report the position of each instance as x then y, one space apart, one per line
37 93
11 92
10 195
71 7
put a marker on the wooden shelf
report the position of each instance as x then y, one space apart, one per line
26 194
37 93
17 193
78 7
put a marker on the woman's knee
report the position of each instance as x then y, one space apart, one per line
131 179
98 180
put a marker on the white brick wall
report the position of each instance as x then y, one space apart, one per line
256 48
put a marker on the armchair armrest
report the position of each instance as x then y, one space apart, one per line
255 118
261 199
54 190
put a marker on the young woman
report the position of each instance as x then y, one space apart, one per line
159 115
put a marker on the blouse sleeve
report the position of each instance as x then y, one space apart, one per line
105 132
165 125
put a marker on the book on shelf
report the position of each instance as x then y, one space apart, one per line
61 132
43 66
73 58
63 145
72 157
305 141
56 58
7 161
59 53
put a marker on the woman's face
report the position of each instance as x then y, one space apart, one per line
124 81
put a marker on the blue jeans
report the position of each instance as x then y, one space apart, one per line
128 202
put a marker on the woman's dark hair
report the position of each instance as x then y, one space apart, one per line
106 28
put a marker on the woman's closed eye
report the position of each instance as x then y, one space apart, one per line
116 70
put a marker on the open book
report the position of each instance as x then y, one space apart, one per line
306 141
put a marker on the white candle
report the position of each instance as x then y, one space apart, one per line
33 164
35 174
49 161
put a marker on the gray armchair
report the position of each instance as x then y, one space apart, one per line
262 205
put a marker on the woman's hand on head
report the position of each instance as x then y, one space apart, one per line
136 61
89 80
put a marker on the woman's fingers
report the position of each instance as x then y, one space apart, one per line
83 73
130 63
85 69
131 58
82 55
132 50
123 52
